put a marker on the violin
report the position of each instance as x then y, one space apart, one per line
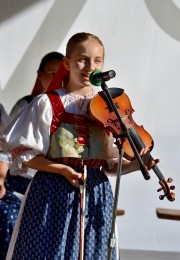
106 117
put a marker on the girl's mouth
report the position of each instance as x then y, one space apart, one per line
86 76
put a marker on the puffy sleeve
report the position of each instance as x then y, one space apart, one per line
28 135
18 107
4 118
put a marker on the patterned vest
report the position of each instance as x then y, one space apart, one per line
75 137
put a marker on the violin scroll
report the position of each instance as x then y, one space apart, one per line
167 190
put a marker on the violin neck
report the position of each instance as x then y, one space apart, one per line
139 145
158 172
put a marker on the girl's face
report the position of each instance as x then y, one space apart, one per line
87 57
48 73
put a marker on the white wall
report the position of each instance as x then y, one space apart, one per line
142 41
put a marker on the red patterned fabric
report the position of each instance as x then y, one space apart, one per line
18 151
93 163
57 110
37 88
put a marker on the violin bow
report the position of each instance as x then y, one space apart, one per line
82 210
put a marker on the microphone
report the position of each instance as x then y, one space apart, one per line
97 76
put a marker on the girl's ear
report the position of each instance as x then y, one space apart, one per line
66 63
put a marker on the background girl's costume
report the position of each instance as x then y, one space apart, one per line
10 202
15 185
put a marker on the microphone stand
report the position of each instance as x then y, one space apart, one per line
125 134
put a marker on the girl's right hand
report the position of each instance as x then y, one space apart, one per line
41 163
72 176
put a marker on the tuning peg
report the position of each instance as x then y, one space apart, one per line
160 189
161 197
169 180
172 187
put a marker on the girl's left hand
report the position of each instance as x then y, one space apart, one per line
147 159
131 166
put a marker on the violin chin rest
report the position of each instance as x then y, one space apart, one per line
114 92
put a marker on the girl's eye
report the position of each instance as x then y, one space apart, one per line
98 61
51 74
82 59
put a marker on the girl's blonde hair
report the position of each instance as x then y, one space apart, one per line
78 38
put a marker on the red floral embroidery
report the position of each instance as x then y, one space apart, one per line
18 151
83 140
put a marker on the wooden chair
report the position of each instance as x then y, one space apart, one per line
120 212
163 213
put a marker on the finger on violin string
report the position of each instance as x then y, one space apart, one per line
145 158
157 161
149 162
152 162
144 150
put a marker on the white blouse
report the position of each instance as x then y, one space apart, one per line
4 121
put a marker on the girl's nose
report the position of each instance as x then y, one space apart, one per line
90 65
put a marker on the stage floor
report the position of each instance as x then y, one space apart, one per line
148 255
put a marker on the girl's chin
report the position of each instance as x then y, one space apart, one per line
86 82
86 79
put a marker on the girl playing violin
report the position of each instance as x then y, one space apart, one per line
54 136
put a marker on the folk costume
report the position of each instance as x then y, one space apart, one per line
56 125
10 202
15 185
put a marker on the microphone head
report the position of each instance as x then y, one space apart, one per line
92 78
